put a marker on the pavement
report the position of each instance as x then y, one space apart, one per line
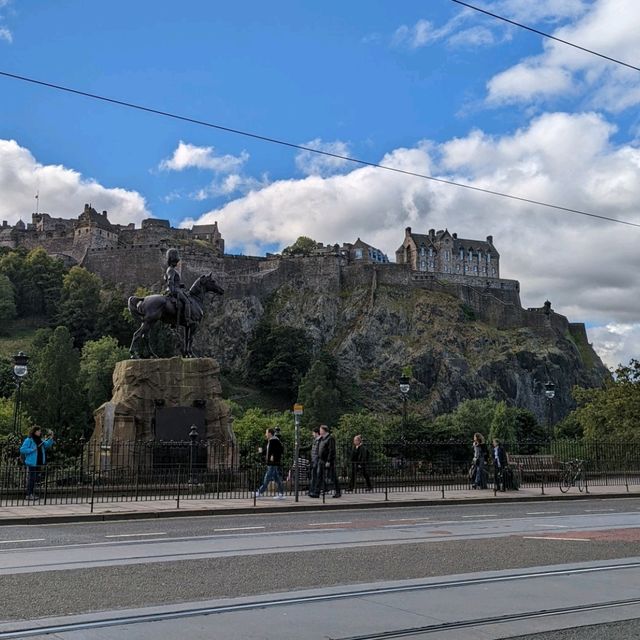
40 513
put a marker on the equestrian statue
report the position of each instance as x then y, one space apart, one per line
177 307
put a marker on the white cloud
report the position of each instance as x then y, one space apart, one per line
187 156
587 268
314 164
610 27
616 343
234 183
6 35
62 191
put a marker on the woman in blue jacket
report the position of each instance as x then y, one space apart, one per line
33 450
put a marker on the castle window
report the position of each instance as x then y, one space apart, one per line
488 258
475 268
458 268
493 272
447 255
430 252
358 254
422 251
461 254
470 255
431 264
479 256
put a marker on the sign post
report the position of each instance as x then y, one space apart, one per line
297 412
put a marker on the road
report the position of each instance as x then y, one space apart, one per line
506 570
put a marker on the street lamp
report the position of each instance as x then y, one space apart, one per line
193 436
404 390
550 393
20 371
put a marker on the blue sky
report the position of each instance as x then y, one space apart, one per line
426 86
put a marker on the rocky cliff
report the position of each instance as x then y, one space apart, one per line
461 341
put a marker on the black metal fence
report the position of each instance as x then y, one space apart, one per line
135 471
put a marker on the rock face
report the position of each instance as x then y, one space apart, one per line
147 393
461 341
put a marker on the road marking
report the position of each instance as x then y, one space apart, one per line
598 510
26 540
483 515
135 535
406 519
543 513
325 524
238 528
555 538
554 526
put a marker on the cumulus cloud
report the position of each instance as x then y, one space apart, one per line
63 191
616 343
314 164
6 35
188 156
606 84
587 268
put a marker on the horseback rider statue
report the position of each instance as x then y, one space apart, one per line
175 288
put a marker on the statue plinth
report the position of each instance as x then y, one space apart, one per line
160 399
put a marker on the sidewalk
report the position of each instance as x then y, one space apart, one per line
51 513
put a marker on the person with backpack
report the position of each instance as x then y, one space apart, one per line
480 460
33 452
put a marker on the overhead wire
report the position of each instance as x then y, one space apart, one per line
291 145
546 35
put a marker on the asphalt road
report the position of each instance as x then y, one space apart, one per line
81 568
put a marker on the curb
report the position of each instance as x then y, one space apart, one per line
190 513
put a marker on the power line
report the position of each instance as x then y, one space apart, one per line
546 35
300 147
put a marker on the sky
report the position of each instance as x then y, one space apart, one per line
428 87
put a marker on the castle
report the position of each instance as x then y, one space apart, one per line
73 241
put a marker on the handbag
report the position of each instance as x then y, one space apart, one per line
472 472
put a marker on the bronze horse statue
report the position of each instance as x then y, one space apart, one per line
162 308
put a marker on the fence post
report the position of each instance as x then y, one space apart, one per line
178 496
254 491
542 480
442 474
46 482
93 489
386 482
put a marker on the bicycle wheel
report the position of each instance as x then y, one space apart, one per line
580 483
565 483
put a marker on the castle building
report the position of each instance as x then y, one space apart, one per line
443 252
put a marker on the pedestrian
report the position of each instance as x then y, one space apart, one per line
480 459
273 457
499 466
359 462
327 462
33 451
315 446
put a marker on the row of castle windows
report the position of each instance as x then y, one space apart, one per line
465 269
447 254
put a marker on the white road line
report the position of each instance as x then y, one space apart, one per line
598 510
552 538
26 540
406 519
544 513
325 524
238 529
483 515
554 526
135 535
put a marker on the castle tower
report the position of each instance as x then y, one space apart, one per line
93 230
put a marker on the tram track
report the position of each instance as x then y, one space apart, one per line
176 613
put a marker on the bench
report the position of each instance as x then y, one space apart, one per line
533 467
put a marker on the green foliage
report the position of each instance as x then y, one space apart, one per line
52 394
278 358
373 427
303 246
79 302
469 417
7 303
249 430
613 411
7 385
319 393
97 362
467 312
503 425
112 320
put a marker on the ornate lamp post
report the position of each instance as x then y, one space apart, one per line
404 391
550 394
20 370
193 437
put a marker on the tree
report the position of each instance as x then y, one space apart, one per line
53 395
97 362
45 277
7 303
614 410
469 417
249 430
14 266
303 246
278 358
79 303
114 317
503 425
318 392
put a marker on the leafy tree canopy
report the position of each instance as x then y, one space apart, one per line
319 393
97 362
7 303
303 246
79 304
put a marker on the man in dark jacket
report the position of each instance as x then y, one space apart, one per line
315 446
273 457
327 462
499 465
359 460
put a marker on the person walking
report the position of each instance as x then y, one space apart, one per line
499 466
315 446
327 462
359 461
33 450
480 459
273 457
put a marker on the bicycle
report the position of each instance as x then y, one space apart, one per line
572 475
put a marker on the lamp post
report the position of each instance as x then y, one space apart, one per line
20 371
404 391
550 394
193 436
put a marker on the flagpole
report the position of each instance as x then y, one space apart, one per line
37 196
